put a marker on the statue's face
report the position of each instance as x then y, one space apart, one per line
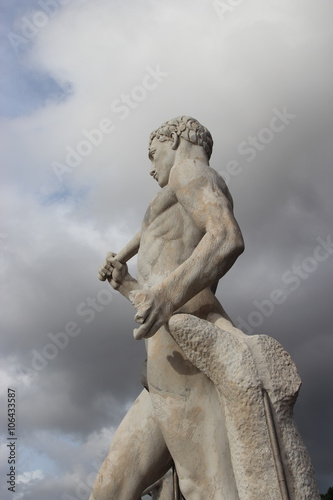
162 158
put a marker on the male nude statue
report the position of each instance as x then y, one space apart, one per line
219 403
188 240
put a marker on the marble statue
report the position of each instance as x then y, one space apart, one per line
219 403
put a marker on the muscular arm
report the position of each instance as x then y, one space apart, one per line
198 190
201 192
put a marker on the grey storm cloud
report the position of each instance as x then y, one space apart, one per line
259 77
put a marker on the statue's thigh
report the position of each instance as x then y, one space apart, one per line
137 456
194 430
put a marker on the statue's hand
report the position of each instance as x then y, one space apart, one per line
114 271
153 311
119 275
105 271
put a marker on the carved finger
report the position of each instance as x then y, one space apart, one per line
139 333
147 324
116 264
101 275
117 276
107 271
146 330
114 284
110 256
141 316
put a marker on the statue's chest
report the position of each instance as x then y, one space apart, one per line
166 222
162 207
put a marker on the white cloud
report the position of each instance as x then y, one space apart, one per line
229 74
29 477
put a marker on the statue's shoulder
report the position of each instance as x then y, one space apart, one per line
187 171
191 175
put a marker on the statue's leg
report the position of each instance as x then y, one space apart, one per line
190 416
137 456
195 434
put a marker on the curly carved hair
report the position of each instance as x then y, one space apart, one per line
188 128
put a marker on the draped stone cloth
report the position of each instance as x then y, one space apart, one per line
257 383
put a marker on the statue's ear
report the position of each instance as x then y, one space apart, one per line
175 140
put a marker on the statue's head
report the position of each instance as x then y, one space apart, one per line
187 128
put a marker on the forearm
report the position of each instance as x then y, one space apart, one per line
128 285
130 249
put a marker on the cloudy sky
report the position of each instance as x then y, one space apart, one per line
83 84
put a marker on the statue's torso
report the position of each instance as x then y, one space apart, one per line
168 238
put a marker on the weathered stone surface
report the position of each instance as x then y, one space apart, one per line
219 403
242 369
